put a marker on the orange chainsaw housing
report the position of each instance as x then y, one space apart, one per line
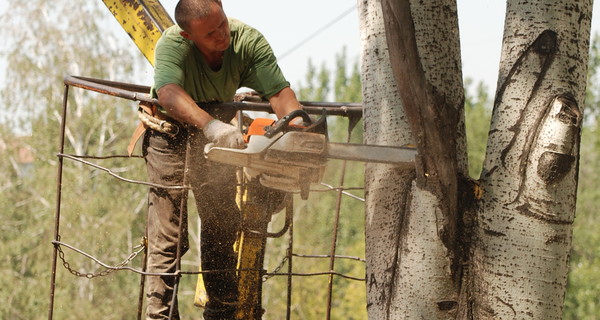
257 127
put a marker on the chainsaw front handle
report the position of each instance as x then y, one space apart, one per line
282 124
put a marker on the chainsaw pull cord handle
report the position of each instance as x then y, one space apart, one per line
284 122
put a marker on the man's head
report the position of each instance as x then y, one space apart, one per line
205 23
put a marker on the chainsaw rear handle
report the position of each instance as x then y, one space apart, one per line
283 123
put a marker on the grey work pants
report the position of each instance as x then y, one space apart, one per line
214 188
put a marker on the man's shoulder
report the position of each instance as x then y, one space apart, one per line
235 24
173 35
242 29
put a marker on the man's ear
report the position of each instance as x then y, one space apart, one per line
185 34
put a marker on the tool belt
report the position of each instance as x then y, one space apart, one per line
157 123
151 117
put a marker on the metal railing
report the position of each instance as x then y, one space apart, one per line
353 111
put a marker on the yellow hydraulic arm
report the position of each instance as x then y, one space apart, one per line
143 20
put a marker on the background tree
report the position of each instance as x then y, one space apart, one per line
43 44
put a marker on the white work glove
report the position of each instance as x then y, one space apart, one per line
223 135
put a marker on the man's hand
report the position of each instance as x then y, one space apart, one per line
223 135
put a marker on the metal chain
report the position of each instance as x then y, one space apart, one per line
106 271
276 270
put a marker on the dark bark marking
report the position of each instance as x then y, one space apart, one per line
402 225
526 210
570 113
553 166
508 305
494 233
386 288
532 138
545 46
557 238
470 192
447 305
490 172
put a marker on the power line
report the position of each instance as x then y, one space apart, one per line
332 22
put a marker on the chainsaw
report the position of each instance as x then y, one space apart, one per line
289 157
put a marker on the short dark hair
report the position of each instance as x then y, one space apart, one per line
187 10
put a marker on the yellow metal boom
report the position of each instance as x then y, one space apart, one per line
143 20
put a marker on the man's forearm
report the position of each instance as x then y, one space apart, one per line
284 102
181 107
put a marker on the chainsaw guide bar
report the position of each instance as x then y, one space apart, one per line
293 160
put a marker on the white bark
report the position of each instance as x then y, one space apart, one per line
523 236
386 188
408 266
425 289
383 116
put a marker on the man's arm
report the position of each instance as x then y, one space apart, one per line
181 107
284 102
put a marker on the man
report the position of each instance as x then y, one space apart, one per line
205 58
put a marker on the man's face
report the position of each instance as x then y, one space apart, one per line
210 34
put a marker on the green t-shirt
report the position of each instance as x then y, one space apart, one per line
248 62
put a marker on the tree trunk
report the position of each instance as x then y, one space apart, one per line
418 222
412 266
523 235
387 188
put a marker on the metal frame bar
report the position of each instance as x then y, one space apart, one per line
58 205
334 238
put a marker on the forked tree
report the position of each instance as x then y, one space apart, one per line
441 245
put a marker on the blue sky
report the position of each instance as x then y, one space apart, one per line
286 24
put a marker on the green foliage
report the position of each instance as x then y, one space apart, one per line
592 96
45 43
317 84
347 88
477 123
